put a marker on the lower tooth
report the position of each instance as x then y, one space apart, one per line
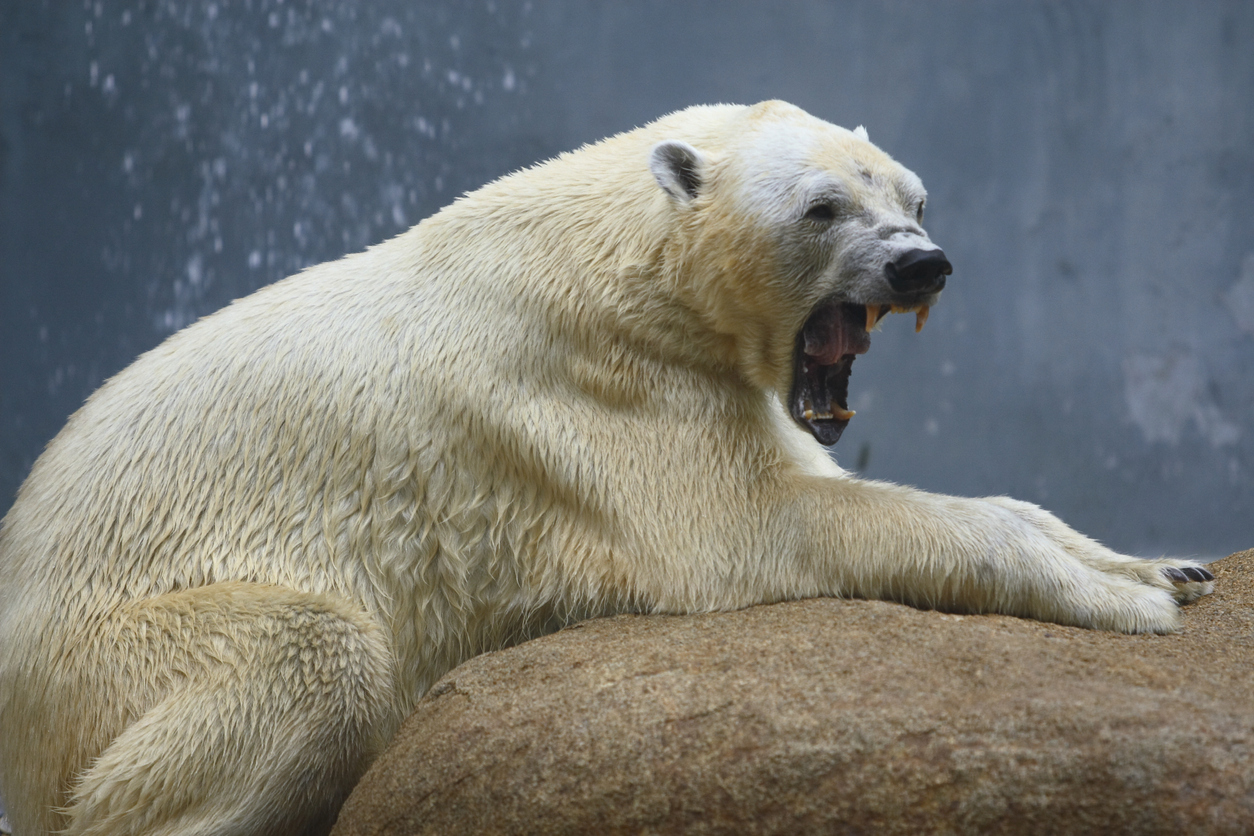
838 413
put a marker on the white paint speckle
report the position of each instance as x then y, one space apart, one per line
1240 297
195 270
1164 393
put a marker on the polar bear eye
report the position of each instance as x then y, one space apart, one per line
821 213
918 215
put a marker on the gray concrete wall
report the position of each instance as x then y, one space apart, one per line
1091 169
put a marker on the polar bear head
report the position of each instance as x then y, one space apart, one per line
793 238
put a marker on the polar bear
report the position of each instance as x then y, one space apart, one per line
602 384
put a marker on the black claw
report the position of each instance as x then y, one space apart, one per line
1197 573
1175 575
1187 574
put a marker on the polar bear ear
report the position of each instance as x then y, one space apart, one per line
860 133
677 168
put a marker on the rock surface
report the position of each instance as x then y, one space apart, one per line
832 716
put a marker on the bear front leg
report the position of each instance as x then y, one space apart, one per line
268 705
983 555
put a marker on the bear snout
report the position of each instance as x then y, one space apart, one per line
918 271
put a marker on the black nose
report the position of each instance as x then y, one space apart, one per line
918 271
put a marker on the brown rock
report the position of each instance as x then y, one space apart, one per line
832 716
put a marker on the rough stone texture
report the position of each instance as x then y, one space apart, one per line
830 716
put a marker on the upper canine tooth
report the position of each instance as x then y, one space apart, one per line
920 317
874 313
842 414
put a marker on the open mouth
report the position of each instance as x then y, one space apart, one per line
827 344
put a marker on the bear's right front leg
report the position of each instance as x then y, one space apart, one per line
267 705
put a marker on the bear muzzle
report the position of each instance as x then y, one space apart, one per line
836 332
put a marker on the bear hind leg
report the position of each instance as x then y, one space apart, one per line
277 704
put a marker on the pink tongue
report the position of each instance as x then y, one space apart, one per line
834 331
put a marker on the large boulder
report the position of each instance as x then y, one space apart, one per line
833 716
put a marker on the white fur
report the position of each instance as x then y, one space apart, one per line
248 555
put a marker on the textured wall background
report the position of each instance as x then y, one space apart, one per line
1091 170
